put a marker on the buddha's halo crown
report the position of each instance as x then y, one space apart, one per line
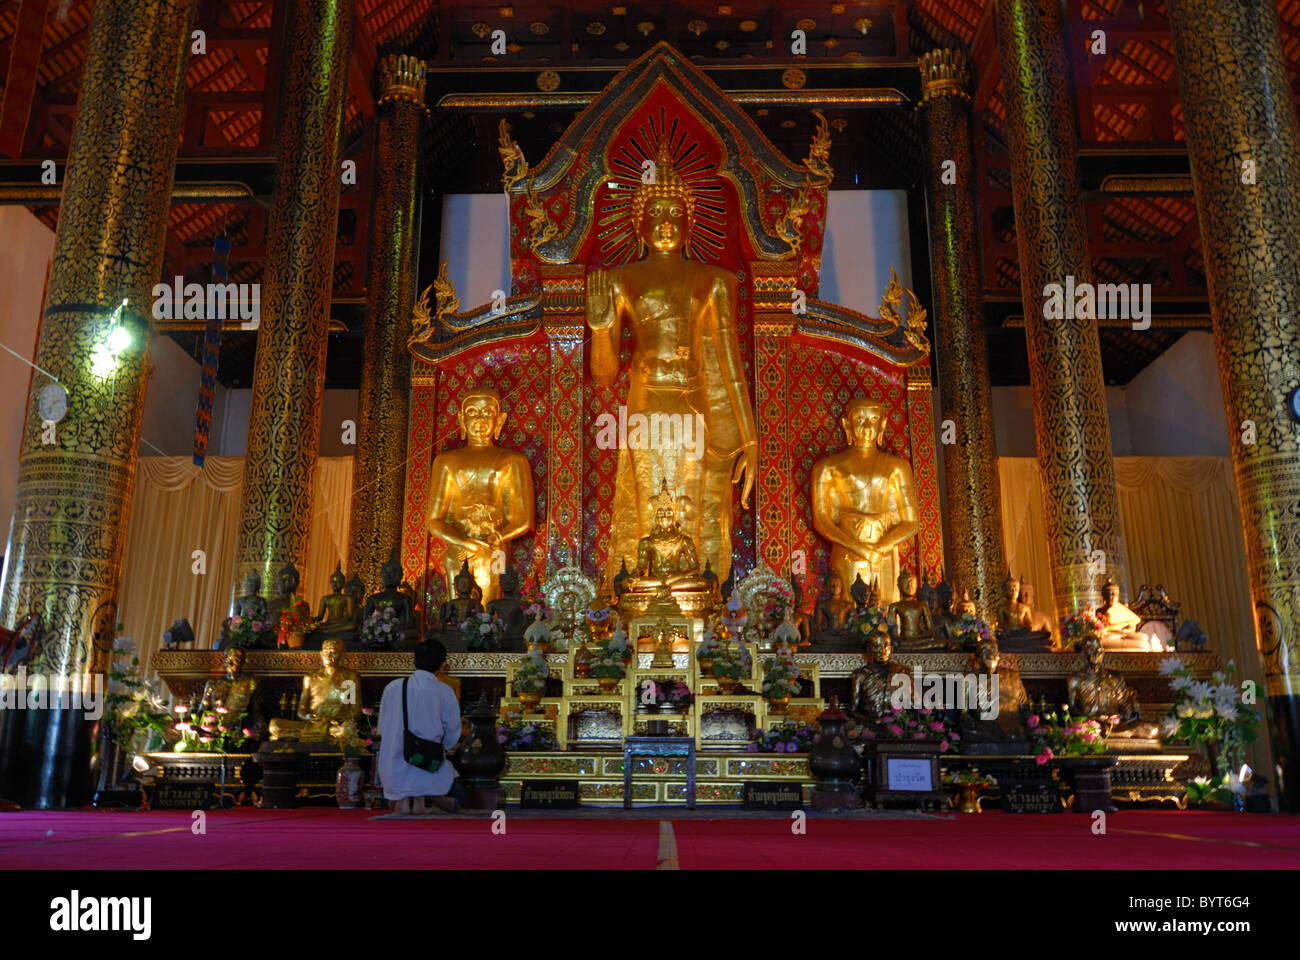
664 499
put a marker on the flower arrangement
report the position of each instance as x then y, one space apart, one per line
1058 734
532 673
538 609
380 630
729 663
525 736
1210 714
612 656
874 622
246 632
480 631
134 706
709 647
297 619
209 728
915 724
970 631
676 696
785 739
1079 627
780 678
354 746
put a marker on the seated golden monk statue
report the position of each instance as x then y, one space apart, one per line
1011 615
390 576
1119 624
1095 692
911 617
234 689
1007 725
480 495
873 681
665 557
337 617
864 501
329 703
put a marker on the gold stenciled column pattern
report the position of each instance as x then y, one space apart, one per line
377 478
289 373
1071 425
73 494
973 529
1245 158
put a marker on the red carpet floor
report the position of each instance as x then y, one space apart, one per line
333 839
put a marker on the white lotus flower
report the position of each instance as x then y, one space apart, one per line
1180 682
1170 665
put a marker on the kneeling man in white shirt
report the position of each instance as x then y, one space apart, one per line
433 715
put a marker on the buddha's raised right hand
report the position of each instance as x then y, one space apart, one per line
600 298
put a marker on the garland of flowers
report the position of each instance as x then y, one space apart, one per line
1060 734
381 629
970 631
480 631
922 723
1078 627
525 736
785 739
134 706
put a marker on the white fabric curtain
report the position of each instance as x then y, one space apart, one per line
178 508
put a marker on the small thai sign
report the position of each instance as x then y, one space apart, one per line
768 795
1030 798
182 796
548 794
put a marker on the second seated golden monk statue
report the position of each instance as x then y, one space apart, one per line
873 682
1096 692
480 495
665 557
234 689
686 378
864 501
1119 624
328 704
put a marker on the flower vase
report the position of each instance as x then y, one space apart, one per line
607 684
778 704
727 684
348 782
706 666
530 701
835 764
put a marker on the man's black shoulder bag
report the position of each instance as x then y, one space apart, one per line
425 754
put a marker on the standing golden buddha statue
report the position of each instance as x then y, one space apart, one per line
480 495
864 501
686 377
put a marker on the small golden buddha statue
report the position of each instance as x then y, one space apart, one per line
463 606
328 704
1096 692
911 617
864 500
665 557
834 609
686 372
337 617
873 682
1119 624
1011 615
286 582
480 495
234 689
1038 620
964 605
390 576
1011 697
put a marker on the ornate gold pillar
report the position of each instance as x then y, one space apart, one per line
1071 425
1245 156
289 373
977 560
378 476
76 476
